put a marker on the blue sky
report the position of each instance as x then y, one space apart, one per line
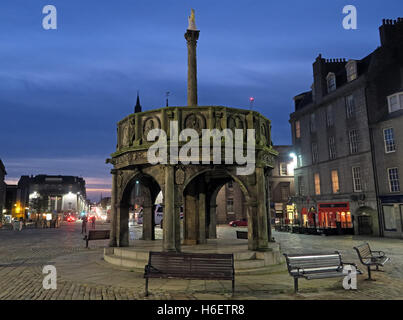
62 91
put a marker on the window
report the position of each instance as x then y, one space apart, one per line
285 193
357 179
313 123
297 129
353 138
395 102
335 181
389 140
332 148
301 186
350 106
329 116
351 68
394 184
317 184
315 155
230 205
331 82
389 218
283 169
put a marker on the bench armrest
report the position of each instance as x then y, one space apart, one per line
380 253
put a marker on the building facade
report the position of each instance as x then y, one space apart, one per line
335 130
41 194
3 188
282 187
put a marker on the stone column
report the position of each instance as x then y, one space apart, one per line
213 222
113 217
123 225
148 223
169 242
202 213
191 37
190 215
262 241
268 214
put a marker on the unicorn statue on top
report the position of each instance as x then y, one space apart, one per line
192 21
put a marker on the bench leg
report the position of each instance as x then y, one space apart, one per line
86 243
295 285
233 287
146 287
369 274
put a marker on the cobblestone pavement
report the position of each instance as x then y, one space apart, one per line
82 273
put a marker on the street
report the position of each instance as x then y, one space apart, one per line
82 273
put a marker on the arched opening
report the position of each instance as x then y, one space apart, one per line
139 198
201 208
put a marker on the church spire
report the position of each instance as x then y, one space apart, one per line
137 108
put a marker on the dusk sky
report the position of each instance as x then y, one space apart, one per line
62 91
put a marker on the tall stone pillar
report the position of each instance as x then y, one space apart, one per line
191 37
169 232
213 222
113 216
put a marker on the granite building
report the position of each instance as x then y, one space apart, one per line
282 186
345 137
36 195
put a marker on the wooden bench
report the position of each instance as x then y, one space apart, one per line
241 234
315 266
204 266
96 235
370 258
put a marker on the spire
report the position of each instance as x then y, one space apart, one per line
137 108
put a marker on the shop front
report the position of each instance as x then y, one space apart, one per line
334 218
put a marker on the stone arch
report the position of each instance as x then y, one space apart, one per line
199 193
149 191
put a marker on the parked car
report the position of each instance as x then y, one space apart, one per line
158 215
239 223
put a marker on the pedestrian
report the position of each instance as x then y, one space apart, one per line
21 222
84 225
93 222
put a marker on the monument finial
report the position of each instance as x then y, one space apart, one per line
192 21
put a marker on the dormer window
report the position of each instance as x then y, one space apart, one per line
395 102
351 68
331 82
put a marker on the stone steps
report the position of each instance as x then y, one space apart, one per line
245 263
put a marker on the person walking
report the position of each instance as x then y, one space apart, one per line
21 223
93 222
84 225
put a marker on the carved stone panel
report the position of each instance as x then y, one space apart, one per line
195 121
180 176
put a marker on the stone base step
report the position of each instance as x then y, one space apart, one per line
245 262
